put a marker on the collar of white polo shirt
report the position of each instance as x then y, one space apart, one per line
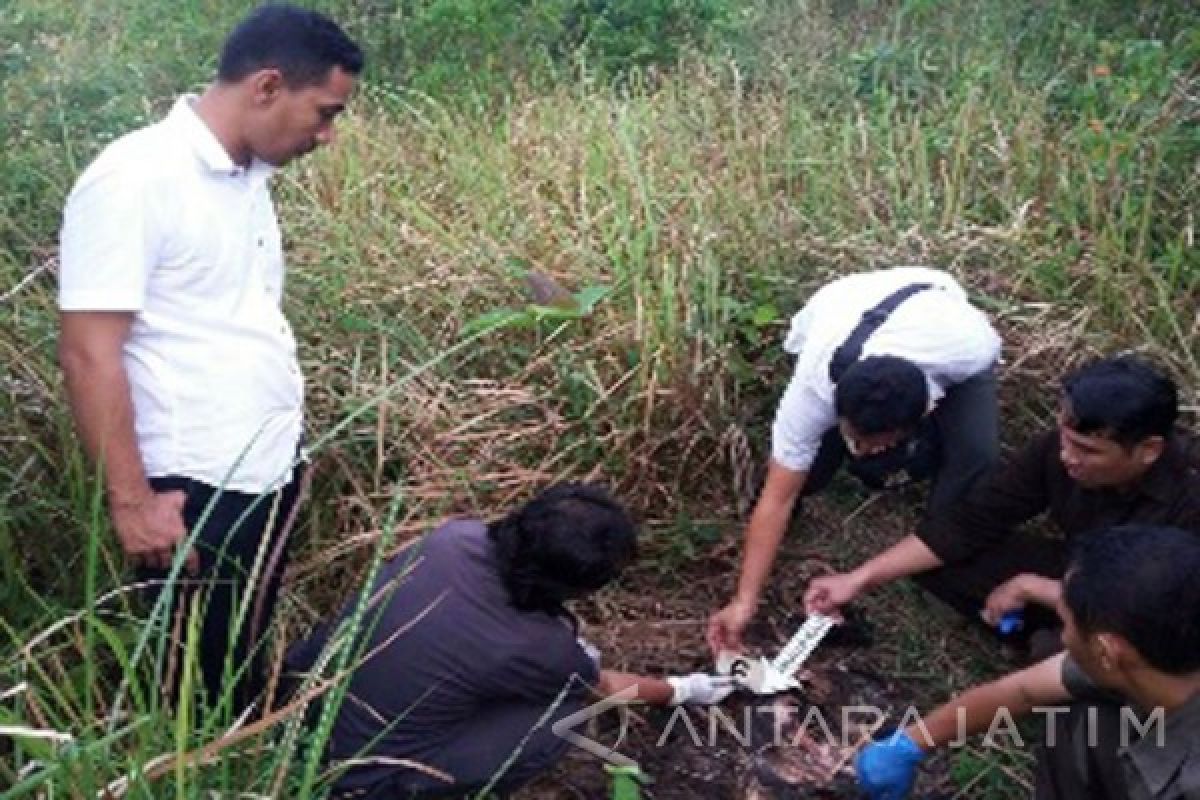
208 149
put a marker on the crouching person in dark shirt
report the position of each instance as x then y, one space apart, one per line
466 655
1121 706
1114 457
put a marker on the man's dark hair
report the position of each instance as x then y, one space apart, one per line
882 394
1139 581
1121 398
569 540
303 45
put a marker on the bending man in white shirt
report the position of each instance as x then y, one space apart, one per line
894 375
180 367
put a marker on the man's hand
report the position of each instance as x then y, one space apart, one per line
828 593
887 769
700 688
152 527
91 346
726 626
1008 596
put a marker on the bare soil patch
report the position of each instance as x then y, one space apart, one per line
796 745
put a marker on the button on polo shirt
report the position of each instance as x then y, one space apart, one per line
163 224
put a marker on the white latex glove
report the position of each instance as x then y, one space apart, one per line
700 688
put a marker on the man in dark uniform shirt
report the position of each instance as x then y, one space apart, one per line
466 655
1123 700
1116 457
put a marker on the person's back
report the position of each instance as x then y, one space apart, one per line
463 648
937 330
466 654
469 661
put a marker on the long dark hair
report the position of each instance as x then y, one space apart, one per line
569 540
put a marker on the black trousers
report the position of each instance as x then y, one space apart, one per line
965 586
236 527
966 425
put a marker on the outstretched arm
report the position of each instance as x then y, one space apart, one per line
765 531
907 557
888 768
1017 693
768 522
698 687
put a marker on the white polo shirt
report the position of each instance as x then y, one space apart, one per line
165 225
937 330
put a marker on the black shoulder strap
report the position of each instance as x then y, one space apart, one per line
872 318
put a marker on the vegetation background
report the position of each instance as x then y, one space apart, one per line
666 181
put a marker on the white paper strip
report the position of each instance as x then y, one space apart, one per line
802 644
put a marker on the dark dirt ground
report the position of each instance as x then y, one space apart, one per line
898 648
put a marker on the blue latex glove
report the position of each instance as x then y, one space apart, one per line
887 769
1011 622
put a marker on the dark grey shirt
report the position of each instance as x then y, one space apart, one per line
459 654
1154 768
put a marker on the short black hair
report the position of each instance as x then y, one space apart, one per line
1122 398
882 394
569 540
304 45
1139 581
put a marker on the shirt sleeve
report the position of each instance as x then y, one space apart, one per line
801 420
1076 680
108 242
540 674
1081 687
1012 494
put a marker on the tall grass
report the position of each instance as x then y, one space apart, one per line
1044 152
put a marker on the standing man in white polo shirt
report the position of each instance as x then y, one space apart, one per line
180 367
894 375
